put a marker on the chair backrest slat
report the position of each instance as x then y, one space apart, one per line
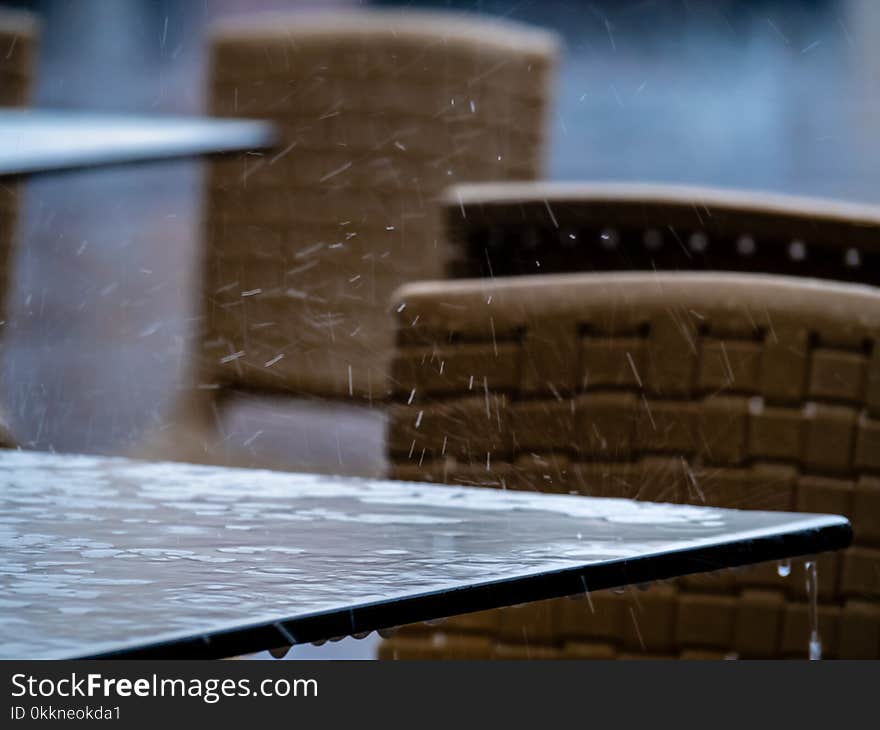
534 228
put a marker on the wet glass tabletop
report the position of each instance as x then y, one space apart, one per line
47 141
110 557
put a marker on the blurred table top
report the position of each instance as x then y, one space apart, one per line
33 142
112 557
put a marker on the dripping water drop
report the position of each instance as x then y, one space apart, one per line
812 578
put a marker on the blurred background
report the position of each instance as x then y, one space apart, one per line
758 94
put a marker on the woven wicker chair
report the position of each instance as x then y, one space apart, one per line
729 390
18 48
379 111
543 228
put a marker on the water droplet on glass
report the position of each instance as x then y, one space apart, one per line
784 568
